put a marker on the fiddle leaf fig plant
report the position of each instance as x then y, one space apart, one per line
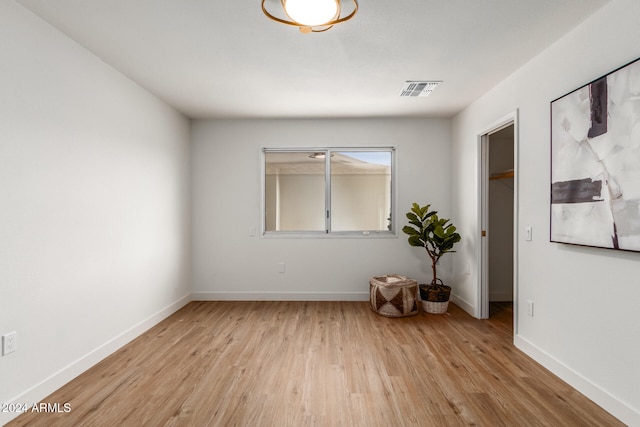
427 230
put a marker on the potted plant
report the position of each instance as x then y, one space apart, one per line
437 236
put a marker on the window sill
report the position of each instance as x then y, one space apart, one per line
332 235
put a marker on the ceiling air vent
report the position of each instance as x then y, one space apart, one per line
422 88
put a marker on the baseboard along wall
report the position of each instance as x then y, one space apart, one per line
44 388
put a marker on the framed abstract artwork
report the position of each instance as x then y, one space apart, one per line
595 162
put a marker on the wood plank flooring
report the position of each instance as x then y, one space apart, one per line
320 364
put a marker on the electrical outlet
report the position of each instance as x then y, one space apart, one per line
530 308
9 343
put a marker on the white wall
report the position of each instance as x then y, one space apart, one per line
94 216
299 203
359 202
230 264
586 326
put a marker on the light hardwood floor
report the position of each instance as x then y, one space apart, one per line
320 364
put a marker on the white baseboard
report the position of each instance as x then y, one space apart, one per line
280 296
463 304
619 409
41 390
601 397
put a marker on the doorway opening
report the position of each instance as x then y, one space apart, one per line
498 260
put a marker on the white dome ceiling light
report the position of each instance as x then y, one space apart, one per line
312 16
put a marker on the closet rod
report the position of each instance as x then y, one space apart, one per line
502 175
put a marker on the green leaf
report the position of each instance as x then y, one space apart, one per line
412 217
415 241
427 230
410 230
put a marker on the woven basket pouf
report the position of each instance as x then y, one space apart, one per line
393 295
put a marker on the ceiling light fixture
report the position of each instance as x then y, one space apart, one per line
319 155
312 16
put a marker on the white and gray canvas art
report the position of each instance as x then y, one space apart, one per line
595 163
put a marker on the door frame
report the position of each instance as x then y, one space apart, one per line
482 309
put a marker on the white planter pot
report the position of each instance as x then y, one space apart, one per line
435 307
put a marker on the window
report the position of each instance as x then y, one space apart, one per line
328 191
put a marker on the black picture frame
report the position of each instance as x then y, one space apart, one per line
595 162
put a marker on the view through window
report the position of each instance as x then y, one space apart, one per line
340 190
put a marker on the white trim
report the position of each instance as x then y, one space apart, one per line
47 386
463 304
280 296
597 394
482 310
516 216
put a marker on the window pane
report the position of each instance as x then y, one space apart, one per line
361 190
294 192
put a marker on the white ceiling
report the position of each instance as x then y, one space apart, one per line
215 58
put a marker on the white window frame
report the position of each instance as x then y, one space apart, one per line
328 233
